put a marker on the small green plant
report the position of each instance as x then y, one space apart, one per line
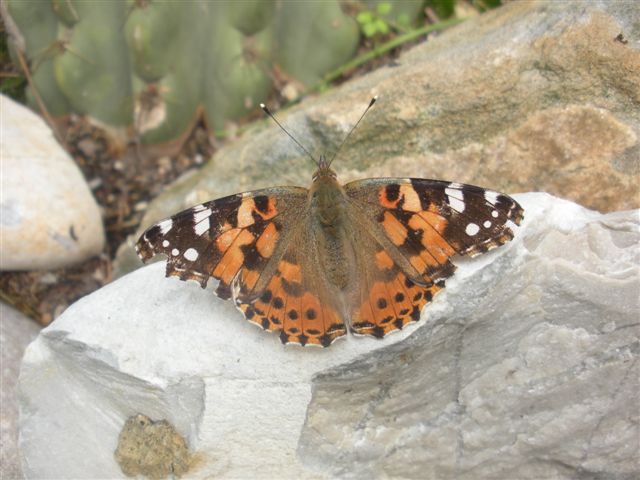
12 82
442 8
372 23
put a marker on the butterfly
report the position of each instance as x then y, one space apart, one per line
310 264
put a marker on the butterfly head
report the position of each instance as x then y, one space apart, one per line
324 169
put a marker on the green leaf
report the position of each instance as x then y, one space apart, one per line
382 27
383 8
369 29
364 17
403 20
443 8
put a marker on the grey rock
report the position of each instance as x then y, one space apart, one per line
526 366
16 332
48 216
534 96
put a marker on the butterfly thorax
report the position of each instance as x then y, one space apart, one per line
327 199
328 209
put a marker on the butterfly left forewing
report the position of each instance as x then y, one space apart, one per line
434 218
238 235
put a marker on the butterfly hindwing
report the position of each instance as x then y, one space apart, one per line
387 299
296 302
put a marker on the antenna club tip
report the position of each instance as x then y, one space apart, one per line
263 106
373 100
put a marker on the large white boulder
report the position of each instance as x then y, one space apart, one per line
526 366
48 216
16 332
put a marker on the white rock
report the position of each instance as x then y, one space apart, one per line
524 367
48 217
16 332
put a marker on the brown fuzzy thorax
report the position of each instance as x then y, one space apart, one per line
328 208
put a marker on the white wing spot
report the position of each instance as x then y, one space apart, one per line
455 199
165 243
486 224
201 215
202 226
472 229
165 226
453 192
199 208
175 252
191 254
494 214
491 196
456 204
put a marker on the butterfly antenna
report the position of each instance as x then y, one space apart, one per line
268 112
373 100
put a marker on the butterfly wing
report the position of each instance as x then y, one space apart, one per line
238 234
414 227
297 302
386 298
251 243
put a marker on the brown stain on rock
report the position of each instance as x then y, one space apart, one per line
572 152
152 448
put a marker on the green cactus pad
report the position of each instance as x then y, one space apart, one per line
153 68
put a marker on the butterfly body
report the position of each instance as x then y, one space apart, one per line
309 264
327 214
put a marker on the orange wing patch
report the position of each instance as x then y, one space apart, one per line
233 257
287 306
390 305
416 232
431 239
268 240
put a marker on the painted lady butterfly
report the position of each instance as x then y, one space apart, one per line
308 262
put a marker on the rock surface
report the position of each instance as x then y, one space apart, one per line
48 217
533 96
16 332
526 366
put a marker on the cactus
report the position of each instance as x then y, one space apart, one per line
149 69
